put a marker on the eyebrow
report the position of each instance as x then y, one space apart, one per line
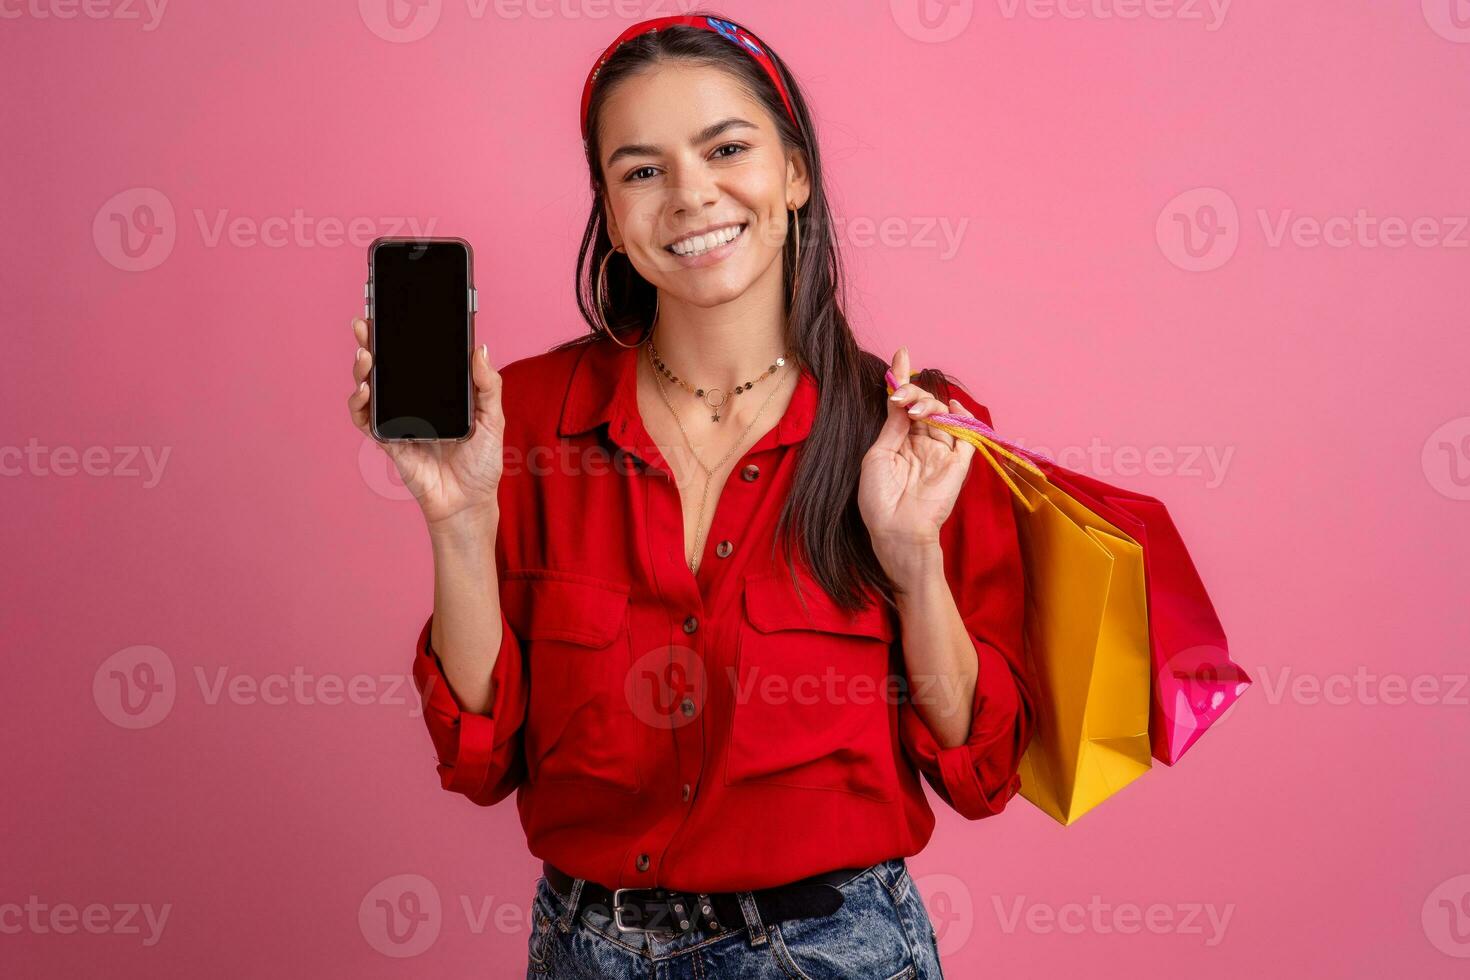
703 136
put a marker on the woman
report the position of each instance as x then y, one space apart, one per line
704 595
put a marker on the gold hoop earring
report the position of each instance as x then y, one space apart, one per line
796 261
599 300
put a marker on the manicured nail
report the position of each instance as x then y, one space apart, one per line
896 397
360 352
915 409
485 352
362 387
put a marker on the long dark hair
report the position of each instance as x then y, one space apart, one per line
820 520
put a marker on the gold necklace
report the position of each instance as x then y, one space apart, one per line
708 472
705 394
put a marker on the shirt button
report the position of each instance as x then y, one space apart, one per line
687 706
685 792
750 473
691 624
724 548
643 862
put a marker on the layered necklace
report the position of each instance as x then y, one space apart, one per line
709 471
707 394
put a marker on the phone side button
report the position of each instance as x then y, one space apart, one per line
474 300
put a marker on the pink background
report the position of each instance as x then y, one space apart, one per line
1327 380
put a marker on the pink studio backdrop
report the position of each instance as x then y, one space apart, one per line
1214 252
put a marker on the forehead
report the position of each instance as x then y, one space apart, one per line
669 101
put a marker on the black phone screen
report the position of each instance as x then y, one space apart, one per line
421 340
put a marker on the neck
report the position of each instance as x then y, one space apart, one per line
725 345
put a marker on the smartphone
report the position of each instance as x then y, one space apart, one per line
420 304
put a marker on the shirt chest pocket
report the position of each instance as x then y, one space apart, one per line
578 652
814 704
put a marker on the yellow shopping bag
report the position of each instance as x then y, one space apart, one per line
1087 637
1087 640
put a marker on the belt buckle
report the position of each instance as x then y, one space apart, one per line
618 913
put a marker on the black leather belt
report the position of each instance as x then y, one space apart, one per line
678 912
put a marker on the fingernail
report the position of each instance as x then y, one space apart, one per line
360 352
895 397
915 409
485 352
362 387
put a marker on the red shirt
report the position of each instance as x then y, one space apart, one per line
705 732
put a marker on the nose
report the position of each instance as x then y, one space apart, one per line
692 188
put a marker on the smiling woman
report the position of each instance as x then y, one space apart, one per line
716 698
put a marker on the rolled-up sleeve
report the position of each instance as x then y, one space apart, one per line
480 755
983 565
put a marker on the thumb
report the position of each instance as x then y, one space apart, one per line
487 385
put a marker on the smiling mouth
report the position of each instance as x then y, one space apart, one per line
690 248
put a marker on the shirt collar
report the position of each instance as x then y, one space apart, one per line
604 388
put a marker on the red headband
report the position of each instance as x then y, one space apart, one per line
732 32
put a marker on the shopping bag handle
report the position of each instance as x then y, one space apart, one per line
984 438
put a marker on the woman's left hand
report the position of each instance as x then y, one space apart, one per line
911 477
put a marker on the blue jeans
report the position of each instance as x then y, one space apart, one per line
881 932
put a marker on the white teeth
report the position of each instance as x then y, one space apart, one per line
691 247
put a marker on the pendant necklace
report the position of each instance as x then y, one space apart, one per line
709 472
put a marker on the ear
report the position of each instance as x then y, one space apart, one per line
611 221
798 178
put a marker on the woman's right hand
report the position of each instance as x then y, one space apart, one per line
452 481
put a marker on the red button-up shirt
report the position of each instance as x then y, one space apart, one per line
706 732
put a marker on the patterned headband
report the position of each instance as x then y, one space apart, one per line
732 32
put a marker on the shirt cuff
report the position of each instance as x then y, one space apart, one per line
476 751
979 776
